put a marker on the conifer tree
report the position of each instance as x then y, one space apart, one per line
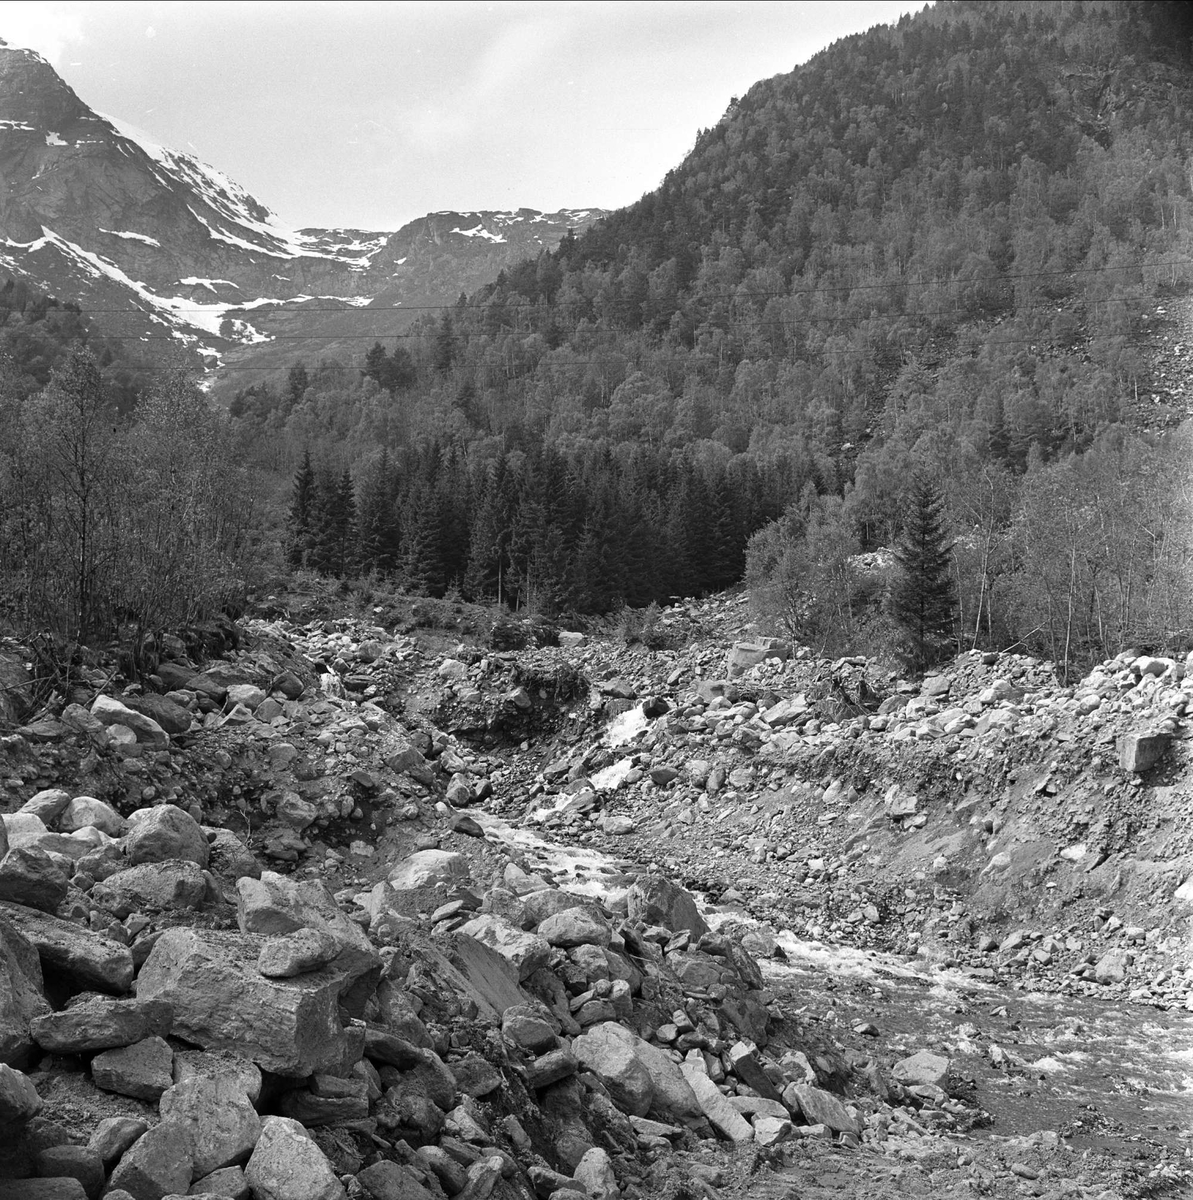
924 598
303 505
377 527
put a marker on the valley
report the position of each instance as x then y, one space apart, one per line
900 882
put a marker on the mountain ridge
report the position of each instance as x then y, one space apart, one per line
160 245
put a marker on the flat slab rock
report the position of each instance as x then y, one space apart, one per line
221 1001
85 958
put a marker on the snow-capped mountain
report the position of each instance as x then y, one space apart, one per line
158 246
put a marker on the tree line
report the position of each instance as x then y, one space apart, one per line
119 522
536 528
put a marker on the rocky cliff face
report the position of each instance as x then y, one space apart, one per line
156 244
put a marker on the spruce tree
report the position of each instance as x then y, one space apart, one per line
924 598
303 504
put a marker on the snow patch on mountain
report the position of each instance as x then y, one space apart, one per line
481 232
134 237
209 284
231 203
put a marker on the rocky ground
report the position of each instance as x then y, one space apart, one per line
343 907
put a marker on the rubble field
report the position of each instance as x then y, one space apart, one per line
331 908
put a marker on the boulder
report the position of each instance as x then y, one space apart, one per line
247 694
72 1162
1112 966
112 1136
822 1108
22 995
83 958
243 1075
387 1180
18 1097
87 810
526 951
110 711
745 655
143 1070
175 885
1139 752
29 876
159 1163
723 1117
296 953
655 900
229 856
100 1023
224 1126
279 906
165 832
47 805
22 829
44 1189
221 1001
172 717
287 1165
922 1068
427 868
228 1183
575 927
640 1077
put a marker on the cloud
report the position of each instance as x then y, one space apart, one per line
50 29
509 63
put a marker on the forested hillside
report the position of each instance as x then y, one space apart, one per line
957 249
947 244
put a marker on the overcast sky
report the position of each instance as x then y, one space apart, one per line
371 114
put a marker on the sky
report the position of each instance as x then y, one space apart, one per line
370 114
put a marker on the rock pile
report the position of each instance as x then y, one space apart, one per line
263 930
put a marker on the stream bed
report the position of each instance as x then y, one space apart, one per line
1111 1077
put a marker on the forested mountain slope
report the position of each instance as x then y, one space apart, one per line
959 244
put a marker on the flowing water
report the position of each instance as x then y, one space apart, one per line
1112 1076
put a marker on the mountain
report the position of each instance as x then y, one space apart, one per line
956 249
158 245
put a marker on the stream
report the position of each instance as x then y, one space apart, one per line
1113 1077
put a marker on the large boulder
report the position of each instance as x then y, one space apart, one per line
84 811
18 1097
1139 752
923 1067
47 805
287 1165
427 868
721 1114
221 1001
110 711
275 905
22 998
22 829
165 832
29 876
175 885
172 717
526 951
640 1077
823 1108
159 1163
143 1070
575 927
83 959
224 1125
656 900
100 1023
